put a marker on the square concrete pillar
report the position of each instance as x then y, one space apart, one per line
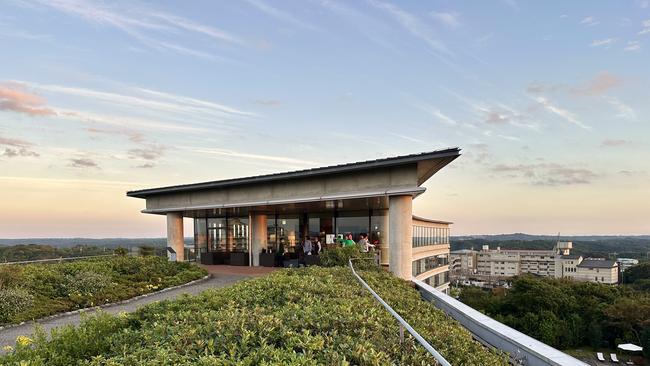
175 236
258 236
400 233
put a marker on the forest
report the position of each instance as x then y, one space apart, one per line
568 314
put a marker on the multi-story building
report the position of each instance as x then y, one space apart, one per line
462 263
255 220
493 265
597 270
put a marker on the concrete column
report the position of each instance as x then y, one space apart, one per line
400 233
385 237
258 236
175 237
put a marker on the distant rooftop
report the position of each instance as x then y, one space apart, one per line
571 256
440 158
596 263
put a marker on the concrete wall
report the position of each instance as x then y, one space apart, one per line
388 178
400 217
175 237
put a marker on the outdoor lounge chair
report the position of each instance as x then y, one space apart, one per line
613 357
600 357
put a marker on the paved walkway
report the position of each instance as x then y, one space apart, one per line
221 278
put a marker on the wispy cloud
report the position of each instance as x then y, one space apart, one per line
614 143
153 152
624 110
83 163
599 85
563 113
448 19
547 174
263 158
407 138
590 21
413 25
632 46
153 29
434 112
16 97
281 15
646 27
16 147
606 42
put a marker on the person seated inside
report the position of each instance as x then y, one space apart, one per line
363 243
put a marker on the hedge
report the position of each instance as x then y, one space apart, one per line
37 290
306 316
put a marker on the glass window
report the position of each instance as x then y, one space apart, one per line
217 235
319 225
377 229
271 234
200 237
353 222
239 233
288 232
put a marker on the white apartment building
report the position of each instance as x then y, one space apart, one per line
493 265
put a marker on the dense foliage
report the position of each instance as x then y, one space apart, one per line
37 290
340 256
306 316
638 276
568 314
28 252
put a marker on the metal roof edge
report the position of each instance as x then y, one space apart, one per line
333 169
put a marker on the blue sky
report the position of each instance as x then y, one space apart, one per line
548 100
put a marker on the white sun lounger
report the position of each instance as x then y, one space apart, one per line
613 357
600 357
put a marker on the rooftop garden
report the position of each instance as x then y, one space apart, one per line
307 316
34 291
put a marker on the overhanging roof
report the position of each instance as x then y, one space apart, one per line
428 164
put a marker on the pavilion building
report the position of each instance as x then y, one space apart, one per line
248 221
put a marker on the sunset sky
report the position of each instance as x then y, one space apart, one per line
549 100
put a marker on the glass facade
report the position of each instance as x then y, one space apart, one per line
286 231
425 235
426 264
438 279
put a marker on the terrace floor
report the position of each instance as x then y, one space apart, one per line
222 269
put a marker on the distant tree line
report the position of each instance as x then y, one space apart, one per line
567 314
37 251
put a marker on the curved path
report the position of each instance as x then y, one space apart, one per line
221 277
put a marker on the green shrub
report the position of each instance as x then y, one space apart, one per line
340 256
10 276
120 251
65 286
307 316
13 301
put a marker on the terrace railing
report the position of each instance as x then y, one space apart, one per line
523 350
60 259
402 323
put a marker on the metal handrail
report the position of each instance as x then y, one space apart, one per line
60 259
403 324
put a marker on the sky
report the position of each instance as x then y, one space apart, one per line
549 102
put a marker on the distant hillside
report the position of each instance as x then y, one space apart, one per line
593 246
107 242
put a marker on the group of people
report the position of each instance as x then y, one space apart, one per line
363 244
309 247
